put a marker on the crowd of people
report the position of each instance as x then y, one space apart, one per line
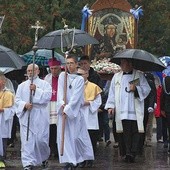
65 114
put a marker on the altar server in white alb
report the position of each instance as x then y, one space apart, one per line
34 151
127 92
77 144
6 117
92 95
52 78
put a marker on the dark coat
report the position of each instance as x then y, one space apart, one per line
94 77
151 98
165 98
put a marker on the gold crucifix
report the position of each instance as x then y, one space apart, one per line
37 26
64 22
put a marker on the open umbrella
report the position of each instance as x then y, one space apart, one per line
54 39
142 60
41 57
165 60
9 59
6 69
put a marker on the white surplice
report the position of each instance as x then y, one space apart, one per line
6 120
125 104
52 104
36 149
90 111
77 144
6 117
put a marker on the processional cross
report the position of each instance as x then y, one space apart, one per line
1 22
35 48
64 22
37 26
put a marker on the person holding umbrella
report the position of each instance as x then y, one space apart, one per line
77 144
35 146
52 78
127 92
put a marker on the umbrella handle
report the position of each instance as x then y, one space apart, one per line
128 91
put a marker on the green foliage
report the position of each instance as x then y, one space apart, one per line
154 26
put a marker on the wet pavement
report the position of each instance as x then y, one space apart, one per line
107 158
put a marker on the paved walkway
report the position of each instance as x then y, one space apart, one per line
154 158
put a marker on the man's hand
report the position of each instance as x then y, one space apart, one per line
86 103
111 113
132 87
163 113
32 87
150 110
63 114
1 110
28 106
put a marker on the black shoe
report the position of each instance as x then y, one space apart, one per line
90 163
165 145
168 151
44 164
29 167
116 145
100 140
11 145
108 143
131 159
67 166
70 166
127 158
82 164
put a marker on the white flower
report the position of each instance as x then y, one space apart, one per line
105 66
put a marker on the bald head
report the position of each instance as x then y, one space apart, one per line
30 70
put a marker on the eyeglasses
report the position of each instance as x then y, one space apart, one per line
70 63
81 74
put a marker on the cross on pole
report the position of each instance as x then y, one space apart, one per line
35 48
1 21
63 21
37 26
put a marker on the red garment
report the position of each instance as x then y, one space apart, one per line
158 101
54 88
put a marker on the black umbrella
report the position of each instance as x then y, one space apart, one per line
54 39
142 60
9 59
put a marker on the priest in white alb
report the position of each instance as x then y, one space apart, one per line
77 144
34 151
127 92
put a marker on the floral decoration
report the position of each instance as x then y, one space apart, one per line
105 66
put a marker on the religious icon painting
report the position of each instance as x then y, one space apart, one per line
113 25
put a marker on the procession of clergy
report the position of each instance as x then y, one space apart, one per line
59 114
